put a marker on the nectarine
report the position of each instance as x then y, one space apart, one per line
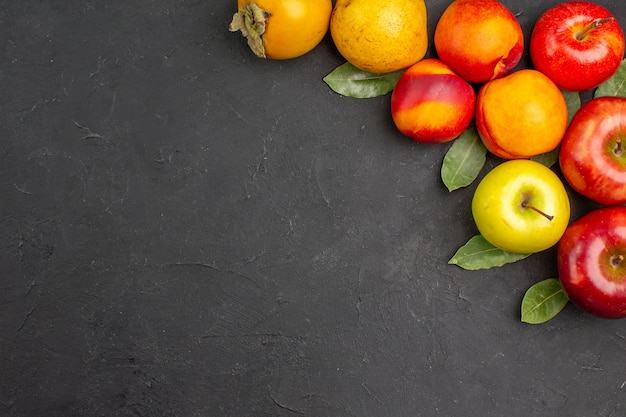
432 104
521 115
479 39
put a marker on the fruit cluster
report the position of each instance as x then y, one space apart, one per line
472 93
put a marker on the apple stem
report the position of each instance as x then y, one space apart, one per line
616 260
582 34
619 148
526 205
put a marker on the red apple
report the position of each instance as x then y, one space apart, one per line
591 260
577 44
431 103
593 150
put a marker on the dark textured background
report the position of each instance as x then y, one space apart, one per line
187 230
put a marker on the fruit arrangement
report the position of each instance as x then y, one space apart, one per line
473 94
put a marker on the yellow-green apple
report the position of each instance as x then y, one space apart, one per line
593 151
591 262
521 206
432 104
577 44
521 115
479 39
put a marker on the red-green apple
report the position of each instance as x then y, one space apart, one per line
577 44
593 151
591 260
432 104
521 206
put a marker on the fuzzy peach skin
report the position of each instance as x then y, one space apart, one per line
521 115
432 104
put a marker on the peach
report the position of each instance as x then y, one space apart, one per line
432 104
479 39
521 115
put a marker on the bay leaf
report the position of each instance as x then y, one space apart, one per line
464 160
478 253
614 86
351 81
549 158
543 301
573 102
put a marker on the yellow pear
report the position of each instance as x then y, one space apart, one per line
380 36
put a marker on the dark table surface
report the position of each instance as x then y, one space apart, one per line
188 230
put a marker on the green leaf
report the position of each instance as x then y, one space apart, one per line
477 253
549 158
464 160
614 86
351 81
573 102
543 301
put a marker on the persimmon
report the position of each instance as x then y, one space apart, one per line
282 29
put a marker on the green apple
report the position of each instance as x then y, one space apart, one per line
521 206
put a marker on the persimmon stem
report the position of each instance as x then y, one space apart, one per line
251 20
582 34
528 206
